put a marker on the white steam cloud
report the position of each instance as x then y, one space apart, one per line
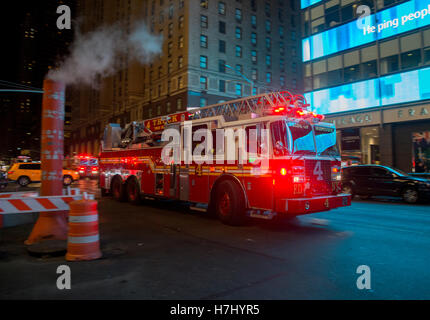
94 55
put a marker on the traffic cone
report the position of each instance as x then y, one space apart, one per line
83 241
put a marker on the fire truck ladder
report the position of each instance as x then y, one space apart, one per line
259 104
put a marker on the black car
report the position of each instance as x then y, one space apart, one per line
376 180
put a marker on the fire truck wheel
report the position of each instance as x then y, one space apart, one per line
133 192
230 204
118 191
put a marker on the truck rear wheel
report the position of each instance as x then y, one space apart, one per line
230 204
133 192
118 191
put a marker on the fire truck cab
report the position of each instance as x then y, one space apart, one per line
292 169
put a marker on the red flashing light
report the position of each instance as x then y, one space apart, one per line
10 172
283 172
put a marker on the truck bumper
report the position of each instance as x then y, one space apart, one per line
302 206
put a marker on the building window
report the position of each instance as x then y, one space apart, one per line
169 67
281 32
294 83
254 91
294 67
181 4
411 59
268 43
203 102
181 22
238 15
158 110
268 60
169 48
293 36
203 21
169 107
160 72
179 104
181 42
204 4
282 81
254 56
238 33
221 8
282 64
203 41
254 74
254 38
239 68
221 27
203 62
268 77
171 11
203 83
221 46
239 89
281 48
221 85
239 51
221 66
254 21
180 62
267 9
180 82
268 26
170 30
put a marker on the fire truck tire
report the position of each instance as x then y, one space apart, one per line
230 203
133 192
118 190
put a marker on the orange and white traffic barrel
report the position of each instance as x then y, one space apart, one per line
83 241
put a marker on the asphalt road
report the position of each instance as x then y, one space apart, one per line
163 251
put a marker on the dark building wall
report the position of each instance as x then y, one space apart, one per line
402 135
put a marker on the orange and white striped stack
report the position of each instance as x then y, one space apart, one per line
83 240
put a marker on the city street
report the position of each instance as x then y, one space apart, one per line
163 251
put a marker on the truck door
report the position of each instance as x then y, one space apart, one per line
258 184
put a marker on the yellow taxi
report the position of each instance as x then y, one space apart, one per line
29 172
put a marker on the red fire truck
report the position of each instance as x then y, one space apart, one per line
304 162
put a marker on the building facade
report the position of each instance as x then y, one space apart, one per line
213 51
371 77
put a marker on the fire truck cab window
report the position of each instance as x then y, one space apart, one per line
325 139
279 138
302 136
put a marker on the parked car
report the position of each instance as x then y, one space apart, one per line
3 180
29 172
376 180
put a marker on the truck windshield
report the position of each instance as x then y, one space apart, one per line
302 136
325 138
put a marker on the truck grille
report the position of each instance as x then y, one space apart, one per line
318 173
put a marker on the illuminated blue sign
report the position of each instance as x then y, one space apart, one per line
392 89
307 3
387 23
